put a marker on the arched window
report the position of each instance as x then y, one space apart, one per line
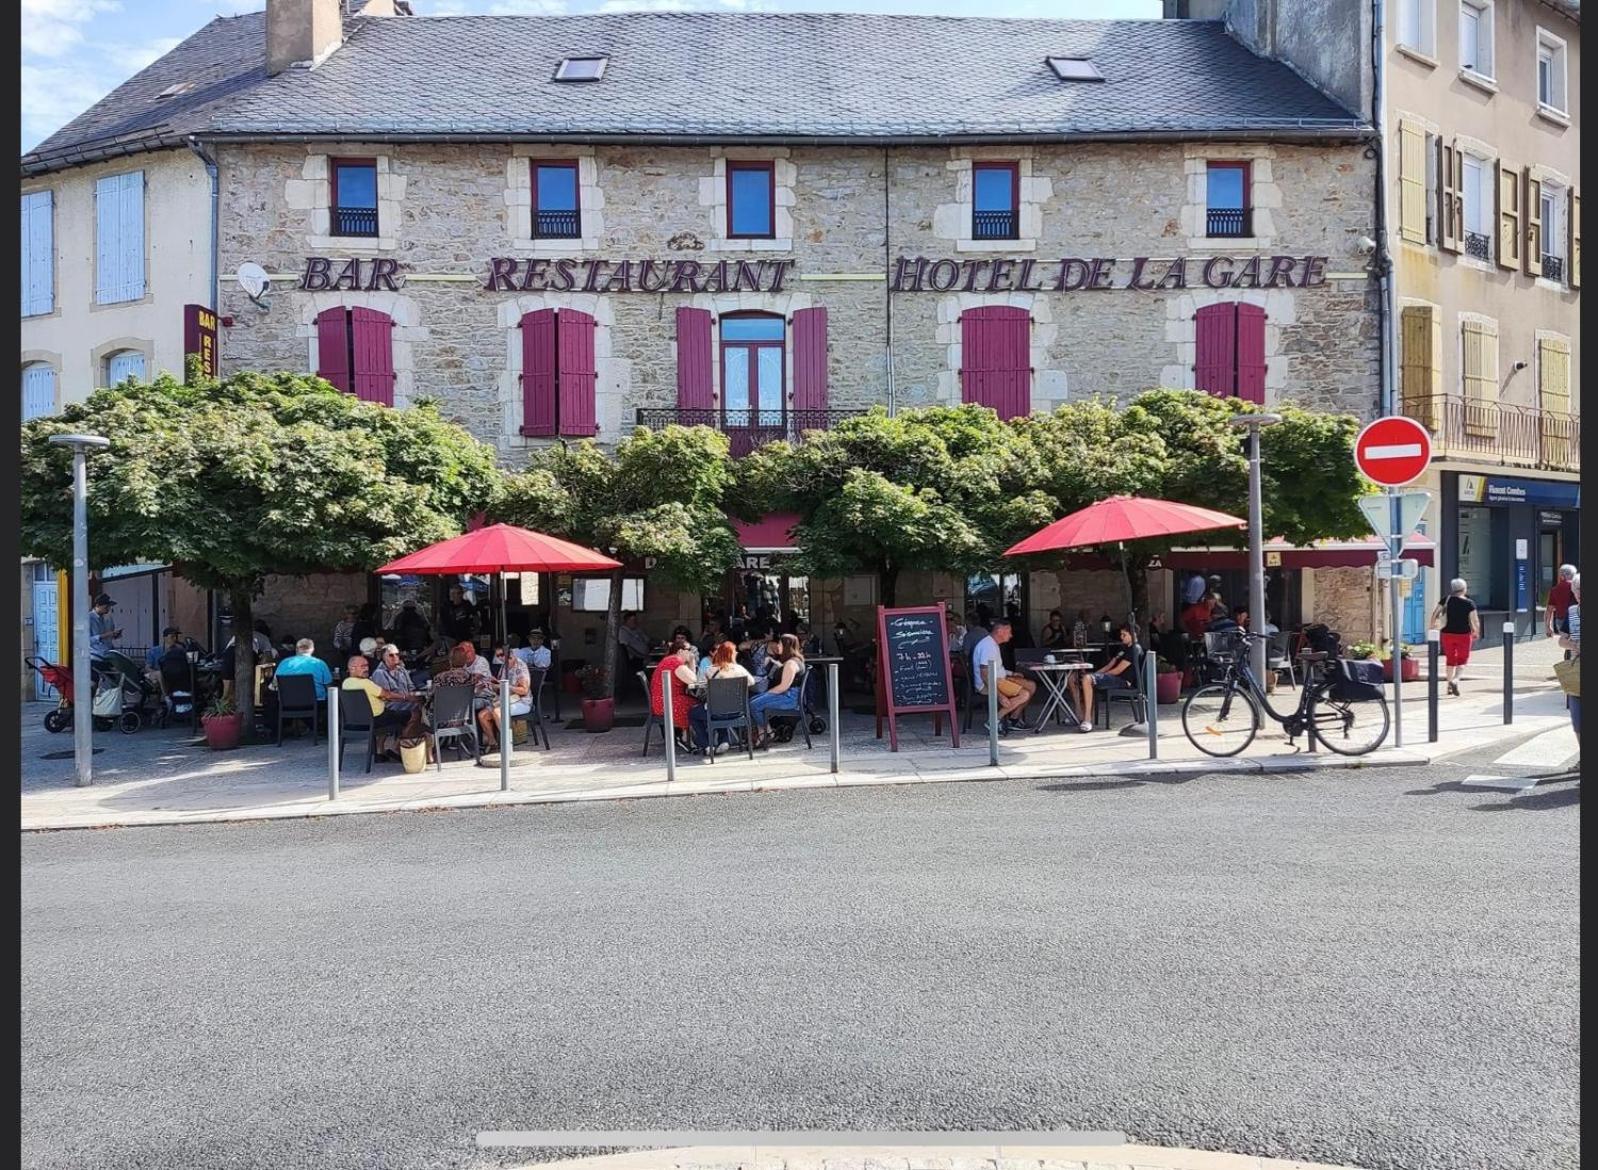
355 352
38 390
124 364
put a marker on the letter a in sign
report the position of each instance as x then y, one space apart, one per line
1393 451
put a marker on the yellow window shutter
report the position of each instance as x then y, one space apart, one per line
1411 183
1418 372
1508 216
1481 379
1450 217
1575 239
1534 225
1553 399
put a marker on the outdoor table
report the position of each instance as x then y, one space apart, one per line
1053 676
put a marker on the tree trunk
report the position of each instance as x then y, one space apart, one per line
1137 579
241 599
612 648
889 577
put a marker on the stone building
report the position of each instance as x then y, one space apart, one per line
564 227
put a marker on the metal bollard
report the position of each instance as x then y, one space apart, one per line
671 726
1509 672
1152 714
993 714
832 711
332 742
504 729
1433 641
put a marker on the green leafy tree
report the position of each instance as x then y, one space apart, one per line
662 495
230 481
943 489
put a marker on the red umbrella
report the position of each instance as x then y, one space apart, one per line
502 548
1122 518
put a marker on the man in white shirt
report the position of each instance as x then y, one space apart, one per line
1015 692
535 653
475 662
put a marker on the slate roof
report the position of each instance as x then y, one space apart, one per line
677 76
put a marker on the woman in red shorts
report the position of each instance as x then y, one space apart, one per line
1461 626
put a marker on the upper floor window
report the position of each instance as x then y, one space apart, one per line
1551 58
122 365
995 200
1476 37
119 238
753 378
1417 25
1476 196
1553 230
1229 351
1228 200
355 352
38 390
557 213
559 373
751 200
996 359
38 253
353 196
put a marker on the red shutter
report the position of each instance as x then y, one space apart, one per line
333 347
373 335
538 372
1215 331
574 336
810 362
996 359
694 388
1251 353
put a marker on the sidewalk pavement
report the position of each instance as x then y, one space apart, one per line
167 777
1121 1157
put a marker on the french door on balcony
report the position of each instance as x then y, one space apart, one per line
753 386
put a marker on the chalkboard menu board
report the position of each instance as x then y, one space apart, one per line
913 654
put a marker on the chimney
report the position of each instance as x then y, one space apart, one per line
301 32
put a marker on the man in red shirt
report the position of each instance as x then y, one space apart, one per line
1556 614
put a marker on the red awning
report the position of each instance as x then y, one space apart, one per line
772 533
1359 553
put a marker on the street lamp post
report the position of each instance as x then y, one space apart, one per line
1256 536
83 688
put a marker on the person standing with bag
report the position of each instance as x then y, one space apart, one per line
1569 671
1460 624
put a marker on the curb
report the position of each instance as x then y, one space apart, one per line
1118 1157
321 807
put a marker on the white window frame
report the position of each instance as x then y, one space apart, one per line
1484 202
1422 37
1559 82
38 301
1485 65
1555 231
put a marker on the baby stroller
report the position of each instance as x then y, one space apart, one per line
785 723
117 699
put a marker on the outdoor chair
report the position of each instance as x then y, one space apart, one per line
535 713
454 722
1134 696
1279 657
727 709
296 699
178 696
356 719
785 720
651 720
961 668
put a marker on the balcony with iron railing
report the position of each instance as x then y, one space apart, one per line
1229 223
1479 245
1553 268
993 225
355 221
747 430
1503 433
556 225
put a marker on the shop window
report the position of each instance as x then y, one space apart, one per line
354 196
996 359
355 352
559 375
119 238
995 200
124 364
557 212
1230 351
1476 37
1227 200
38 253
592 594
38 390
751 200
1480 545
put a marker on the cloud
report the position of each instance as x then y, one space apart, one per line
53 28
52 95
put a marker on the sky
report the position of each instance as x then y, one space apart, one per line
74 52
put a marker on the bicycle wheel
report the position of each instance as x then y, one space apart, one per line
1349 729
1220 719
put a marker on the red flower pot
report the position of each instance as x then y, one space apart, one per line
1168 686
222 731
1411 669
599 714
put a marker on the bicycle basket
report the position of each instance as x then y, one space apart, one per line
1223 644
1357 681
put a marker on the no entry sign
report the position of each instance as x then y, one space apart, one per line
1393 451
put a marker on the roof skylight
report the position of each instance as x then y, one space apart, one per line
175 89
1075 69
581 68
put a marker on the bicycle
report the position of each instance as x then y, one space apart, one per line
1222 718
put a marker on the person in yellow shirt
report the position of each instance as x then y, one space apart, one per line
382 716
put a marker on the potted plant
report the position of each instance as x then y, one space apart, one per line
223 725
1362 651
1409 656
599 709
1167 681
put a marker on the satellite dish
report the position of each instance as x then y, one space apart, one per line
253 280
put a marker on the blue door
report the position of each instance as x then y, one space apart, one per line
1415 610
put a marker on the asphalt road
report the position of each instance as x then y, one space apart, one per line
1376 968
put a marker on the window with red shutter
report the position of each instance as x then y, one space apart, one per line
694 388
1251 353
1230 351
810 367
333 347
538 373
575 374
372 347
996 359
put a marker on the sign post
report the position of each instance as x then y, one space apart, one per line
914 674
1392 452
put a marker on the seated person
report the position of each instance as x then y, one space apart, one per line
1055 636
459 674
304 661
475 662
171 638
521 694
723 663
391 675
535 653
1117 675
1221 622
764 662
677 667
1195 618
385 719
782 694
1015 692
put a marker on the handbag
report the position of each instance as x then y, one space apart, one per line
1569 675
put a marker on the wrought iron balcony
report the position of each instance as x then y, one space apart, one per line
1500 432
993 225
747 429
1229 222
1554 268
556 225
1478 245
355 221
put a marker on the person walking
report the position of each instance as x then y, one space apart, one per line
1571 641
1560 597
1456 617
